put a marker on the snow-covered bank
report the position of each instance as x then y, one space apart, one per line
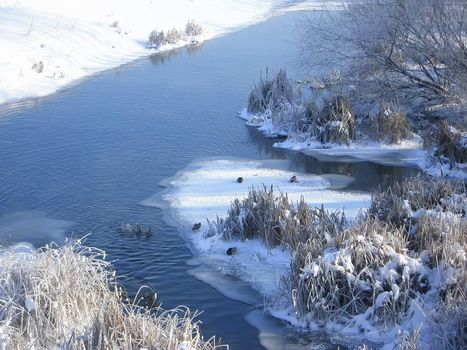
46 44
408 152
393 275
206 189
329 122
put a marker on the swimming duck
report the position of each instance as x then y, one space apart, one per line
232 251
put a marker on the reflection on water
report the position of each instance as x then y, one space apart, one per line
368 176
89 154
163 57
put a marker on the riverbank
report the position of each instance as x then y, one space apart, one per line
398 266
47 44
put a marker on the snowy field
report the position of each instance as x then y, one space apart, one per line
206 189
46 44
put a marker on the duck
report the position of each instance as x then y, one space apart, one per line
231 251
240 180
149 232
293 179
196 227
138 229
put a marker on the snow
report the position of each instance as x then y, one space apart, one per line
72 40
205 190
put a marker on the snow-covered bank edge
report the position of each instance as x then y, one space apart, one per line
409 153
46 46
328 120
205 189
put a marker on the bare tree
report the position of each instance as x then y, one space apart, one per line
412 48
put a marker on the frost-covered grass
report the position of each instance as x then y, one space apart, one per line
67 297
447 144
333 120
276 220
321 119
398 270
391 125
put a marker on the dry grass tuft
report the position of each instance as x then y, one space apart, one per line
391 125
420 192
349 279
409 249
336 123
156 38
448 325
67 297
409 341
450 143
275 220
270 94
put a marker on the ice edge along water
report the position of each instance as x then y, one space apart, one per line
47 44
407 153
205 190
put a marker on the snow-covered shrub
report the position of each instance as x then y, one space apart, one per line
156 39
193 29
68 298
362 274
450 144
38 67
447 325
173 36
336 123
270 94
409 340
420 192
391 125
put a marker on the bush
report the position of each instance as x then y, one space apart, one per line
275 220
336 123
193 29
391 125
173 36
270 94
450 143
352 277
156 39
68 297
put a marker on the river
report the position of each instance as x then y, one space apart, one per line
82 159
